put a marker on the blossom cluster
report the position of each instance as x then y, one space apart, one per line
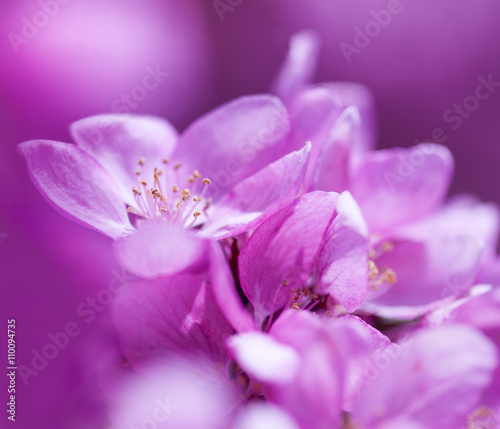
291 275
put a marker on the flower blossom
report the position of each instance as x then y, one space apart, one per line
144 181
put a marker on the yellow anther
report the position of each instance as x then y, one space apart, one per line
372 270
296 306
196 214
197 199
177 166
185 194
389 276
165 160
387 246
191 179
206 181
175 188
196 174
137 172
144 183
163 209
141 161
481 418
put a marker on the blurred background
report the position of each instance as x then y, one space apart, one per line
62 60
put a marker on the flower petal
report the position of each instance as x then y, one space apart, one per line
444 372
234 141
395 186
332 172
252 200
279 250
264 416
314 396
466 214
225 293
312 114
119 141
298 69
343 260
263 358
429 272
158 249
77 186
176 394
362 98
174 315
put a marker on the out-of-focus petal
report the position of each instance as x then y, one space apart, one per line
225 293
77 186
177 394
395 186
465 214
119 141
444 372
264 358
156 249
362 98
483 312
312 115
364 349
298 70
428 273
257 197
175 315
264 416
235 140
332 172
314 397
284 247
343 260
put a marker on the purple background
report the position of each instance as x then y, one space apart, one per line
90 52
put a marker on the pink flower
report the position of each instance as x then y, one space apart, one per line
434 379
171 316
315 247
141 167
418 245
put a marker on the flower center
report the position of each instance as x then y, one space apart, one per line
171 196
482 418
378 276
304 298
